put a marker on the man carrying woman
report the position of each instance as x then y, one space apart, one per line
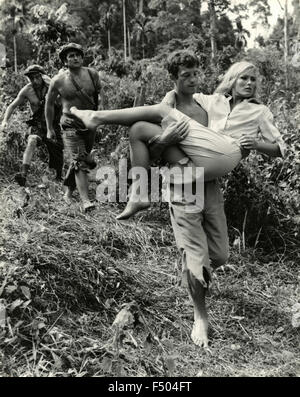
220 128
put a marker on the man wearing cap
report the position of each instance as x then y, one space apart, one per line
77 86
35 92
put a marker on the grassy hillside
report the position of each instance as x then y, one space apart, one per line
86 295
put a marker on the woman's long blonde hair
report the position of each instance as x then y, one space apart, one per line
232 74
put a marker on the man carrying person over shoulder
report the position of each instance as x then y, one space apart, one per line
35 92
77 86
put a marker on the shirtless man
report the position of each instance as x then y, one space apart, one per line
77 86
35 92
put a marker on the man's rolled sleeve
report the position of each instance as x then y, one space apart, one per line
170 99
269 132
204 100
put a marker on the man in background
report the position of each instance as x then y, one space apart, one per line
77 86
35 92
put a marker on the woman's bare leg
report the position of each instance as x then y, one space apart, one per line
139 135
127 116
141 132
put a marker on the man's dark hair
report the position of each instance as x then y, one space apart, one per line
181 58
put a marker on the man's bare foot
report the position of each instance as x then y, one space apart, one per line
199 333
86 116
87 206
132 208
67 197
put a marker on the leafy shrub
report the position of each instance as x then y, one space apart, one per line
10 84
262 199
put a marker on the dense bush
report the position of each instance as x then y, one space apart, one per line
262 195
10 84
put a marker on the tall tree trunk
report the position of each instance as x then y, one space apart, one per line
212 17
14 33
200 13
141 6
15 54
39 52
124 30
108 42
143 44
296 15
129 44
286 44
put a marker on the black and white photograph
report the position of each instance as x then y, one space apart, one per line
150 191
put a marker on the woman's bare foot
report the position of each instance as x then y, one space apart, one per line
199 333
87 117
132 208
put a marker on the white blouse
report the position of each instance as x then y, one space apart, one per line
248 117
